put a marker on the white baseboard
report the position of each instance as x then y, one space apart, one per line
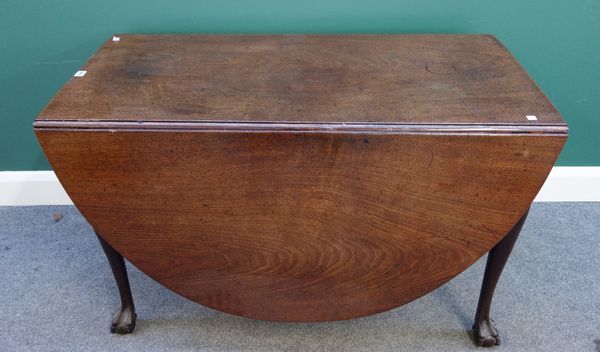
571 184
565 184
31 188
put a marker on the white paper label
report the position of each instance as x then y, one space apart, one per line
531 117
116 39
80 73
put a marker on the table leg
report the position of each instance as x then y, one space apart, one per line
124 321
485 332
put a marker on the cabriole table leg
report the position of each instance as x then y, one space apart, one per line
124 321
485 332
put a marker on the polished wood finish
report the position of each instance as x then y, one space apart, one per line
486 334
302 178
304 78
300 226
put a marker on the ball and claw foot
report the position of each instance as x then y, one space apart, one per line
486 334
484 330
124 322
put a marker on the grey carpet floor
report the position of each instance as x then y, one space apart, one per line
57 294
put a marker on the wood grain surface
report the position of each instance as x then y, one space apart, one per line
300 226
302 177
464 79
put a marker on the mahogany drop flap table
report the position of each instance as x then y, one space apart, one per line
303 177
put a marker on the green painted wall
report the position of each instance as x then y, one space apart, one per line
43 43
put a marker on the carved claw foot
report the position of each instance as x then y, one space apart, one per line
124 321
486 334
